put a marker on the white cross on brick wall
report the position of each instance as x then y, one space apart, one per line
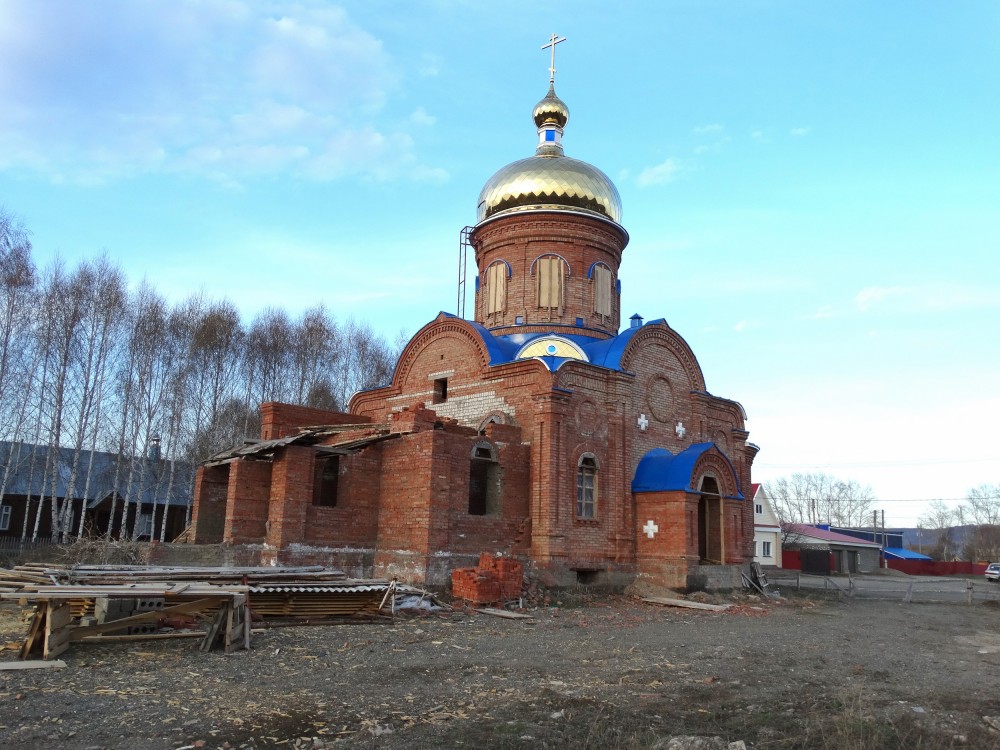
681 430
643 422
650 528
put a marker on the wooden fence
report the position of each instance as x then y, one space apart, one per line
16 545
903 589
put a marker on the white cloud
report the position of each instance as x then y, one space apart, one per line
931 297
713 128
660 174
760 136
876 295
429 66
799 131
224 89
419 116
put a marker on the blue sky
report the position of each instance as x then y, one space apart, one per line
811 188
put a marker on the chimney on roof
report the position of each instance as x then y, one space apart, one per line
153 451
636 321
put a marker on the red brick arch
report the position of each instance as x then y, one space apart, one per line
432 332
713 463
665 336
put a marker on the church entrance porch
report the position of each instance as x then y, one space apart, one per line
685 537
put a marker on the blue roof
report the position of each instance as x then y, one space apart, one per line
603 352
600 351
905 554
29 471
662 471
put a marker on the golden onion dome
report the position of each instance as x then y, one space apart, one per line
549 180
551 109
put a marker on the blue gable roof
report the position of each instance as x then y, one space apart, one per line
899 553
662 471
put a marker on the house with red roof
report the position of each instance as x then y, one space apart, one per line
817 549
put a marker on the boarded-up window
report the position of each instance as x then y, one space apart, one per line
549 282
496 288
603 282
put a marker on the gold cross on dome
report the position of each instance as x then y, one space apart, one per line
553 41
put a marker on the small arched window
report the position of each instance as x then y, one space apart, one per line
586 487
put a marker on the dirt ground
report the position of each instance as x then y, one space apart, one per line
597 672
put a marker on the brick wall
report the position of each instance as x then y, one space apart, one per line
280 420
353 521
208 516
291 495
407 487
247 501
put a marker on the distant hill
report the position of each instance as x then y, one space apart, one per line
916 538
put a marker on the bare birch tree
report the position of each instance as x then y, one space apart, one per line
982 509
821 498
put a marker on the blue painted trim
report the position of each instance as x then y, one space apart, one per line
477 282
590 271
531 268
501 260
552 327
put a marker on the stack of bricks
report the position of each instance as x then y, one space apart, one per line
493 580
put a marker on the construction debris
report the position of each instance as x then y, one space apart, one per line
504 613
493 580
7 666
685 603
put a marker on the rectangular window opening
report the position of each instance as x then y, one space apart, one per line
484 488
5 513
587 577
766 552
440 391
326 481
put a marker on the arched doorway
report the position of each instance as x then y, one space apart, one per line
710 541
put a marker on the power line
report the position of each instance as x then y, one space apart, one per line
878 464
878 500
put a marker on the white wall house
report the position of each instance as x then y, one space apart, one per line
766 529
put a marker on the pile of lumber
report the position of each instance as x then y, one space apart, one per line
219 603
14 579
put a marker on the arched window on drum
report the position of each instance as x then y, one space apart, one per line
495 278
602 283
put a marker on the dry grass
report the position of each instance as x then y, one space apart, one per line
98 551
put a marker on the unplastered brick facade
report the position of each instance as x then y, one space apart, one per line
540 430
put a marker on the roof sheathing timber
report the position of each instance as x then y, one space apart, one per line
346 439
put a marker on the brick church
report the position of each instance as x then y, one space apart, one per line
539 429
